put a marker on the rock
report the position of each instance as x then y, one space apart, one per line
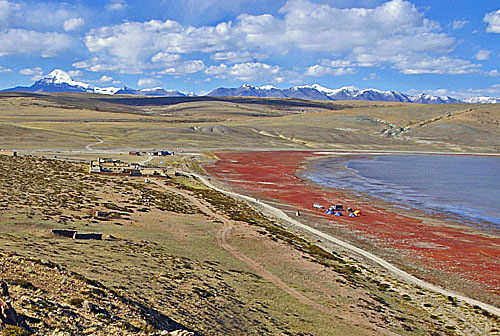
8 315
181 333
27 299
91 330
5 289
93 308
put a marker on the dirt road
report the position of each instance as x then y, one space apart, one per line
273 211
224 241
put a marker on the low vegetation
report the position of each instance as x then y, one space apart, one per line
160 267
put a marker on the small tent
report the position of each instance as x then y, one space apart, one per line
329 212
352 215
338 213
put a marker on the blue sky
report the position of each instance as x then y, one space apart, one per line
439 47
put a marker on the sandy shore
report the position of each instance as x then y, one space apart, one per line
448 254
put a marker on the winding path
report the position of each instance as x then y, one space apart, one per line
224 240
391 268
89 146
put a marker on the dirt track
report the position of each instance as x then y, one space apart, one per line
224 241
391 268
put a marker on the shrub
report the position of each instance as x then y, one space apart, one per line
77 302
14 331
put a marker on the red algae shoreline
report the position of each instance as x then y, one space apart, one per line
457 250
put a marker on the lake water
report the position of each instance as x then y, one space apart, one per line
463 187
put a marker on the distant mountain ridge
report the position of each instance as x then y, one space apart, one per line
318 92
60 81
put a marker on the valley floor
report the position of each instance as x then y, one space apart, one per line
178 255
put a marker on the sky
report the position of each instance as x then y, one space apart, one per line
444 47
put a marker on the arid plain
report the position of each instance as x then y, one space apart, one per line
180 256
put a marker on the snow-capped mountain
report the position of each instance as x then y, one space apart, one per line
319 92
156 92
60 81
351 93
482 100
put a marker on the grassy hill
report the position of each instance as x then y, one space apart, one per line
71 121
178 256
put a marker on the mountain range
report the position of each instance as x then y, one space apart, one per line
60 81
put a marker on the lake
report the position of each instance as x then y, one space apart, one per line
464 187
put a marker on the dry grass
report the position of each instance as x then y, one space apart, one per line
164 255
64 122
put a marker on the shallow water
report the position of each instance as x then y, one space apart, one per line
463 187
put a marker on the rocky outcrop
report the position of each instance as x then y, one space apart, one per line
8 315
50 300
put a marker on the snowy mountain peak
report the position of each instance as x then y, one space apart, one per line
57 76
268 87
61 77
483 100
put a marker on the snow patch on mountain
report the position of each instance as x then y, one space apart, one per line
482 100
318 92
59 76
60 81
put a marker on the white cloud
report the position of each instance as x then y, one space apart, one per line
20 41
483 55
33 15
493 73
371 76
440 65
183 68
394 33
458 24
492 91
73 24
135 41
395 25
111 65
105 79
148 82
320 70
116 5
75 73
35 73
237 56
493 21
7 9
165 57
251 72
31 72
4 70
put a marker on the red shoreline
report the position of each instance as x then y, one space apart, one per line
451 249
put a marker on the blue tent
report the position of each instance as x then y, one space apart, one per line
329 212
352 215
338 213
